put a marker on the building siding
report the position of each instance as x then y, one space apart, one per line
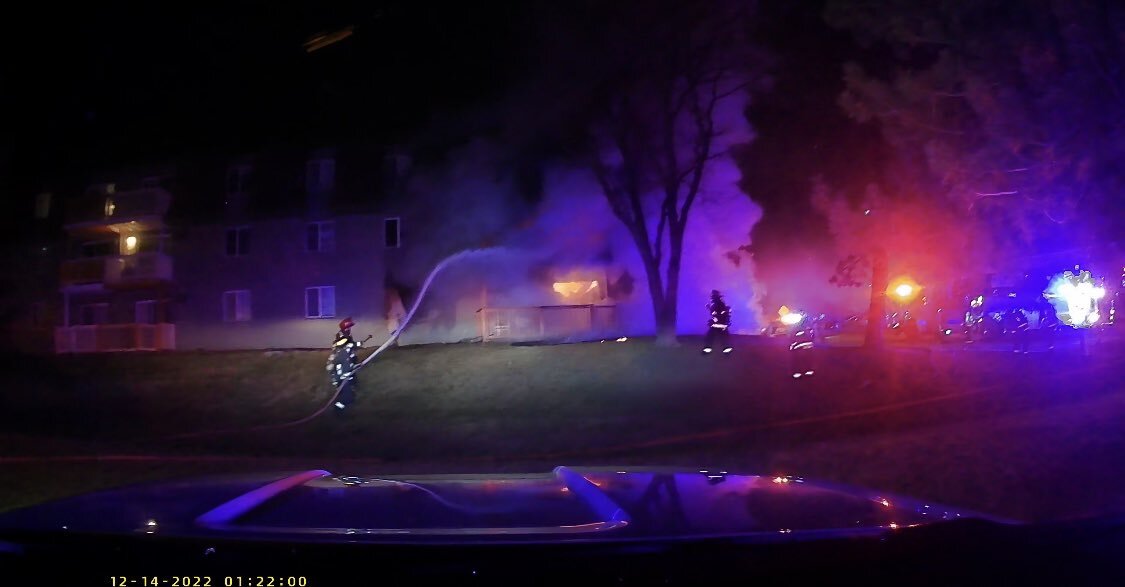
276 270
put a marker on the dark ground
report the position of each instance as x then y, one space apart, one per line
1033 436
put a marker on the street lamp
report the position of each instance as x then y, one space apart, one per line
903 290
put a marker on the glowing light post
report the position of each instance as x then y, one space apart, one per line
800 360
786 317
904 290
791 318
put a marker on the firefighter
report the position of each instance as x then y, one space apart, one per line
719 325
341 363
1049 325
800 349
909 326
1016 323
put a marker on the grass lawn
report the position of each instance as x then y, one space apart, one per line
1060 461
546 397
972 429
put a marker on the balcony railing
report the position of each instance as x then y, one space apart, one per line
103 338
137 270
118 271
567 323
82 271
119 207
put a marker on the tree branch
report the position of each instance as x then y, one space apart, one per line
612 192
659 250
734 90
1114 87
703 117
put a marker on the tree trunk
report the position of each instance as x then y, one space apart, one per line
877 310
663 309
666 325
666 321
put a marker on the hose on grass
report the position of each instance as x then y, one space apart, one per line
348 377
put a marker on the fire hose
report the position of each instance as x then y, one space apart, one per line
348 377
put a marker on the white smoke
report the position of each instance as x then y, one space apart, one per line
570 235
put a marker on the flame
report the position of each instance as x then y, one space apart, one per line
570 288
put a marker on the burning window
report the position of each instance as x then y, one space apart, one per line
569 289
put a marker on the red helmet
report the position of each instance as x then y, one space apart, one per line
347 323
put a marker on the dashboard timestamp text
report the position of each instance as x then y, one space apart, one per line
204 581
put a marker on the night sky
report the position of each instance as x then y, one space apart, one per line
96 89
101 87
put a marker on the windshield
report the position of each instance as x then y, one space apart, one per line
875 246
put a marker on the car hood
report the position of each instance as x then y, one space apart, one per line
564 504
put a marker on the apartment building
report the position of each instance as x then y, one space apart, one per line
117 284
279 283
264 251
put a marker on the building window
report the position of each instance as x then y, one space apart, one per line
320 175
110 206
238 241
236 305
94 313
145 312
321 236
238 179
570 289
320 302
392 233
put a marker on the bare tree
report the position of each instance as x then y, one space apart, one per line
670 77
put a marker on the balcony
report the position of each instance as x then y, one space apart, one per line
77 272
118 271
105 338
144 207
140 270
548 323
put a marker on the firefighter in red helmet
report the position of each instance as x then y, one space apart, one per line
801 358
342 363
718 327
